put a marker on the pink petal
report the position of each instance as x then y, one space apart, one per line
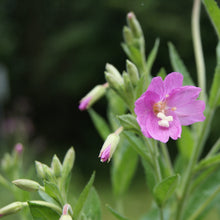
172 81
105 154
143 107
191 112
157 86
181 96
162 133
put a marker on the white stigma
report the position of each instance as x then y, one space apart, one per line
164 122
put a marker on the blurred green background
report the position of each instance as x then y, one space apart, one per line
52 52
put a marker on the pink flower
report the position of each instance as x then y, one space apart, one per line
166 105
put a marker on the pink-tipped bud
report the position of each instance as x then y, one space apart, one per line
84 103
66 209
110 145
19 148
130 15
105 154
95 94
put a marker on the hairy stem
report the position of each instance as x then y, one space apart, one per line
197 44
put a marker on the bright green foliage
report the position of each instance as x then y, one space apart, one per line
214 13
82 198
165 189
178 65
100 124
92 206
116 214
129 122
43 211
152 56
122 171
186 143
202 195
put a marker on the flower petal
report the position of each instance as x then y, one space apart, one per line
143 107
182 96
172 81
162 133
157 86
191 112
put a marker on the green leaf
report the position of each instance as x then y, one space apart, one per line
214 13
122 171
129 122
52 190
41 210
149 174
141 86
100 124
165 189
92 206
116 214
207 162
152 56
202 199
137 145
186 142
214 97
82 198
178 65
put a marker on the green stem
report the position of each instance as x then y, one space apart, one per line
197 44
166 157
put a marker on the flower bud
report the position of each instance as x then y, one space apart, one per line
19 148
40 170
12 208
95 94
114 72
68 162
127 35
49 175
110 146
27 185
132 72
65 216
56 166
134 25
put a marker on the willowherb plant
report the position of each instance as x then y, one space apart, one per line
143 112
148 111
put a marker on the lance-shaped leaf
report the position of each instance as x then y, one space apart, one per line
178 65
214 98
41 210
207 162
100 124
214 13
129 122
152 56
52 190
116 213
165 189
82 198
92 207
124 166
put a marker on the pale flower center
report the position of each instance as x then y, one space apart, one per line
159 110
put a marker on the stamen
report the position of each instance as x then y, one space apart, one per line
164 122
173 109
